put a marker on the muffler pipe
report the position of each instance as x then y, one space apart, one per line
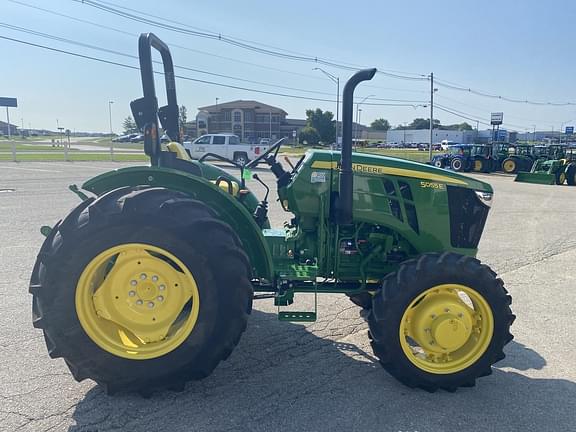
344 207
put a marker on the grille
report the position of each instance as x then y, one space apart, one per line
467 217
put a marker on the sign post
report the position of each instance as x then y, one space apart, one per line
9 102
496 120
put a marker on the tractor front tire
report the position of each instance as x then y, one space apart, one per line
130 290
440 321
457 164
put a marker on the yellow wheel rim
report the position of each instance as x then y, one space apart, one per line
446 329
562 178
509 166
477 165
137 301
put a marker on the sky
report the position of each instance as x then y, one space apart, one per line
510 49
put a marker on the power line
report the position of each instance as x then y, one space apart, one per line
84 45
236 42
97 59
460 88
174 45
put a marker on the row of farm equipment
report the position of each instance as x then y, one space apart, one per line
542 164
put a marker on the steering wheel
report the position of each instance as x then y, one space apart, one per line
264 156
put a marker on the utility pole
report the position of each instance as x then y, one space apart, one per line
9 136
111 132
431 115
270 127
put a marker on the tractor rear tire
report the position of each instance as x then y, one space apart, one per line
571 174
510 166
178 236
440 322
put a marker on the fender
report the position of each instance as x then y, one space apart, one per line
226 207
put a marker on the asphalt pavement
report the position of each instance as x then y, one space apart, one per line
314 377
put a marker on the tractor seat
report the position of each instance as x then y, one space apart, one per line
181 154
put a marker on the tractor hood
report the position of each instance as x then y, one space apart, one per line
382 165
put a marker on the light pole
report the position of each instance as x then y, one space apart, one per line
337 81
217 99
534 135
432 91
111 133
358 115
270 127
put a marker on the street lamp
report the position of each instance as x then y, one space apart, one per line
337 81
217 99
111 133
358 115
534 135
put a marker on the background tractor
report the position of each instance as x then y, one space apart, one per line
525 155
149 281
552 171
483 158
459 157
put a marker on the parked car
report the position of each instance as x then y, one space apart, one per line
124 138
137 138
225 145
264 141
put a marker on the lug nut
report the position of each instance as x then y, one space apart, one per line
132 293
162 287
143 276
150 304
160 298
460 315
139 302
154 278
433 316
133 282
446 310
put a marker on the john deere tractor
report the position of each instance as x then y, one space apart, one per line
552 171
148 283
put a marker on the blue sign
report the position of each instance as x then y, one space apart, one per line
569 130
500 135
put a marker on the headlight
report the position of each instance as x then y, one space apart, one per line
485 198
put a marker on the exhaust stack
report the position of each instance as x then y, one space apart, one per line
344 203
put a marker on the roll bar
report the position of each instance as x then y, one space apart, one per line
145 110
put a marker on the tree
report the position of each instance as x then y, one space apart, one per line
421 123
129 125
323 123
183 114
309 135
380 124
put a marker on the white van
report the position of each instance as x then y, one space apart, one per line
225 145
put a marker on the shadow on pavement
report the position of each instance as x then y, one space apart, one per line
284 377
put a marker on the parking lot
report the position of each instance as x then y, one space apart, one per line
313 377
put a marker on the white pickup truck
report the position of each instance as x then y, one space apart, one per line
225 145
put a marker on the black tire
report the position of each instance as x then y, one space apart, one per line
364 300
241 158
510 165
415 276
162 218
571 174
457 164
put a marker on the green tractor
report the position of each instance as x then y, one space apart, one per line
500 152
483 160
526 155
552 171
148 283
